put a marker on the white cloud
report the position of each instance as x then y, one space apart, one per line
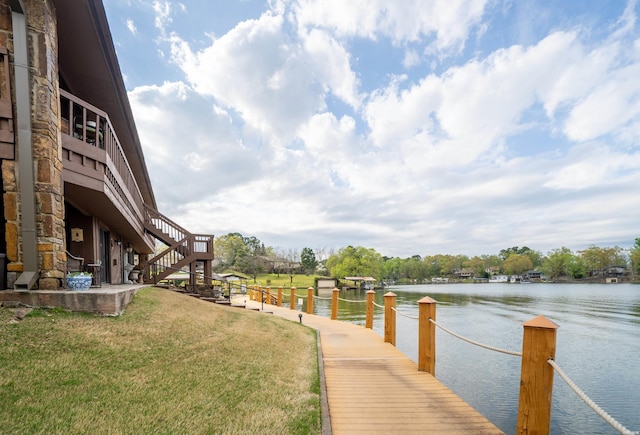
132 27
449 22
270 133
162 10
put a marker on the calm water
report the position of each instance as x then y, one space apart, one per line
598 345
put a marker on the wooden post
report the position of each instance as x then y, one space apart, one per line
390 318
280 296
310 300
334 304
536 377
369 318
426 335
268 298
292 298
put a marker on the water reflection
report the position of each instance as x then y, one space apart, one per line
597 345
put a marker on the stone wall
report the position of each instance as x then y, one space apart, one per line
47 149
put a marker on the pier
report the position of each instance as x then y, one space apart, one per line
373 388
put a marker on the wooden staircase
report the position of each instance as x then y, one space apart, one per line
184 249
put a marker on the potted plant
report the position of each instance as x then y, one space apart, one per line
80 281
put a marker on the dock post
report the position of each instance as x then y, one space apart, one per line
426 335
280 296
334 303
310 300
369 318
390 318
292 298
536 377
268 291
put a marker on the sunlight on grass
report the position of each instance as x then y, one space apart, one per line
170 364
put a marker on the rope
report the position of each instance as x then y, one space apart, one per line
508 352
606 417
349 300
378 305
405 315
324 299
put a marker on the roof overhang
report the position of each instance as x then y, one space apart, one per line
90 70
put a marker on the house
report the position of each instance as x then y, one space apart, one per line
464 273
532 275
75 181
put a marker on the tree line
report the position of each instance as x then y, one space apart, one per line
250 256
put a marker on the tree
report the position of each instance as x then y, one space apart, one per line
352 261
534 256
308 261
478 265
517 264
559 263
230 249
599 259
634 257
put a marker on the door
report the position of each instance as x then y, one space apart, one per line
105 257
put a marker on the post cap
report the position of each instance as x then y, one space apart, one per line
540 322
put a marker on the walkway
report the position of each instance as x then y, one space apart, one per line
374 388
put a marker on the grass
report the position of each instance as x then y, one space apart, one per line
170 364
284 280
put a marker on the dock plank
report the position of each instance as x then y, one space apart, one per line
374 388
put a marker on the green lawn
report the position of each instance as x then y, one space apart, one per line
284 280
170 364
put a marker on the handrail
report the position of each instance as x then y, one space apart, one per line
93 127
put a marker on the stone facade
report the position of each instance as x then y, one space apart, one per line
47 149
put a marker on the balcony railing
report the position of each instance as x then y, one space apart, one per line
92 131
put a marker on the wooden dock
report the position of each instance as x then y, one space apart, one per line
373 388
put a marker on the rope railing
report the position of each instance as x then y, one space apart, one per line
405 315
539 343
362 301
476 343
322 298
597 409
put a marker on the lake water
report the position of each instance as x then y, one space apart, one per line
598 345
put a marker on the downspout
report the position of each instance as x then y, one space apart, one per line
30 274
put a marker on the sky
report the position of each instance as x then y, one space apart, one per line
412 127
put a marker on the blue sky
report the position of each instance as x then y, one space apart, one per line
411 127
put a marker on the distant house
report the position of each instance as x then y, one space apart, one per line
464 273
499 278
492 270
327 283
278 264
616 271
532 274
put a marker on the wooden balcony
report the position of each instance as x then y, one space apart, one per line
98 178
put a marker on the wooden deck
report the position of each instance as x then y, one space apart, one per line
374 388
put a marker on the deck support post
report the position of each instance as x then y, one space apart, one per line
268 299
369 319
334 303
390 318
536 378
280 296
292 298
310 300
426 335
